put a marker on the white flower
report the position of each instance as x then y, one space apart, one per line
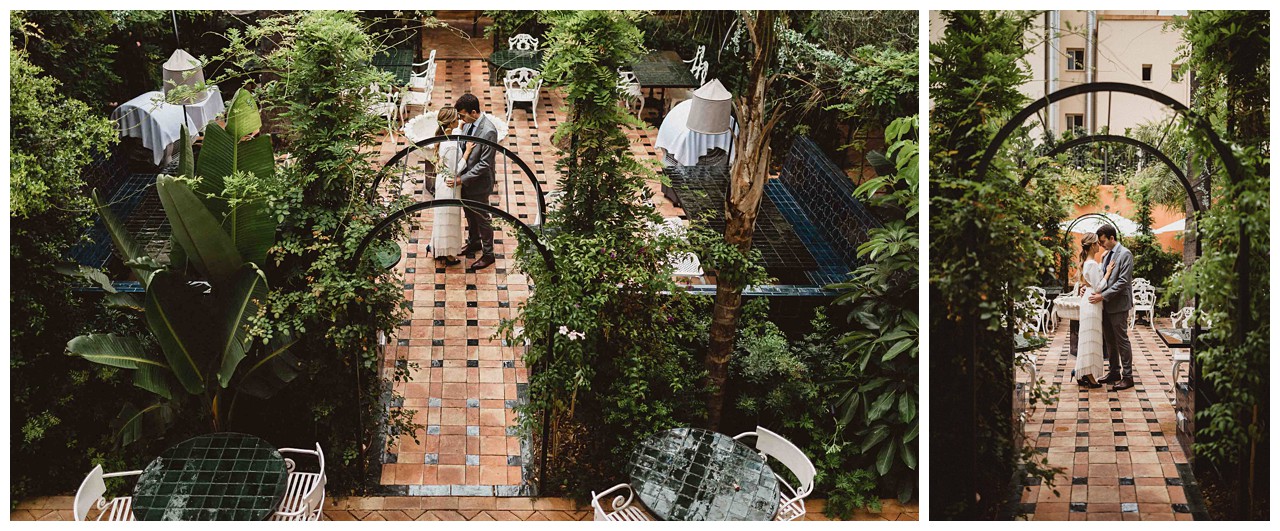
564 330
574 336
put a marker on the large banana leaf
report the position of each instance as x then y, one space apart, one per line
133 424
238 305
224 152
134 256
253 230
268 373
207 247
158 380
181 325
125 352
186 159
87 273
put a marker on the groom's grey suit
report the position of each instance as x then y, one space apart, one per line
1117 299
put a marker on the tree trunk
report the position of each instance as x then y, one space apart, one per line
746 186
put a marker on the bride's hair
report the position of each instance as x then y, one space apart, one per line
1086 248
448 115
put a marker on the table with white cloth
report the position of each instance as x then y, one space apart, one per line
685 145
159 124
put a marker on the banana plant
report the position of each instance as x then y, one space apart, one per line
198 308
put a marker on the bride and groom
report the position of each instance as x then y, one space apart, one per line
1106 298
464 170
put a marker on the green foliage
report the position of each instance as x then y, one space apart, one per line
622 335
203 337
1229 53
52 138
312 81
987 244
878 404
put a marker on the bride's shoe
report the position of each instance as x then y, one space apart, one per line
1089 382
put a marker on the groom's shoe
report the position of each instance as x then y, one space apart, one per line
470 249
484 261
1110 378
1125 383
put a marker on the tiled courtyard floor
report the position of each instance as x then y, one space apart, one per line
1119 449
464 382
58 508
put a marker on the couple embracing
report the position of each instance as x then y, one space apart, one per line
466 172
1106 278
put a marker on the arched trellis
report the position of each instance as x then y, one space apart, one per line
1235 172
1196 207
511 155
357 258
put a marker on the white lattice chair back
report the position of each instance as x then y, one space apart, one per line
522 79
523 42
699 71
91 495
620 507
1139 283
1144 299
699 55
304 496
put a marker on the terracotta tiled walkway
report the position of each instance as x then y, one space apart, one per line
466 382
58 508
1119 448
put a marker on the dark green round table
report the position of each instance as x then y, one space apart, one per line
220 476
698 475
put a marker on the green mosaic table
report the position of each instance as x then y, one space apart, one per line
220 476
698 475
663 70
511 59
1176 337
397 61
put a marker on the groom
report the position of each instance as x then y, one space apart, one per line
1117 299
477 179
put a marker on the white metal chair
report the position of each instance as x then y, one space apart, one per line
1141 283
630 91
522 42
773 445
1144 300
524 86
384 105
304 494
90 496
621 508
686 265
698 65
421 84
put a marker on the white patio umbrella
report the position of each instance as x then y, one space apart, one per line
1090 224
1177 226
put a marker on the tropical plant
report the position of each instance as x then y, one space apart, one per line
199 308
879 404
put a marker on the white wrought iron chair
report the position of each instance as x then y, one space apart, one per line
686 265
90 496
698 65
523 42
770 444
304 494
1182 319
1144 300
421 85
523 86
1038 301
384 105
621 508
1141 283
630 91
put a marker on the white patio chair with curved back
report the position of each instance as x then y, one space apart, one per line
421 85
304 494
384 105
770 444
630 92
621 508
523 42
1144 300
698 66
1181 356
91 493
523 86
1038 304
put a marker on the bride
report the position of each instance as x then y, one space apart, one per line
446 230
1089 354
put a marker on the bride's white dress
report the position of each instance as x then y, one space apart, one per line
1089 350
446 230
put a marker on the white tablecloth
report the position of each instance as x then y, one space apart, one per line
159 124
686 146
